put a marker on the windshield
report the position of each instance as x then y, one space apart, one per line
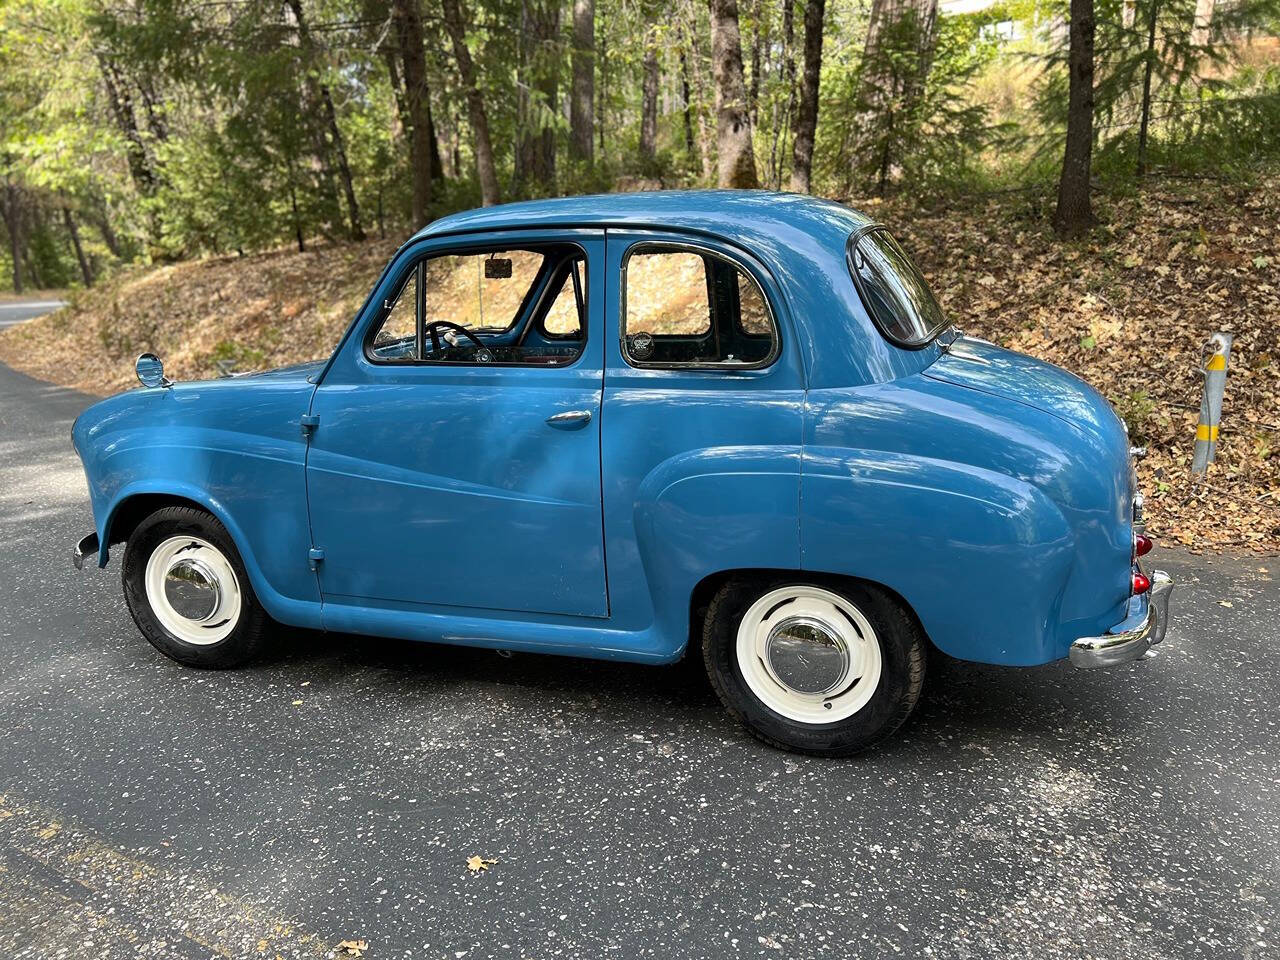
894 292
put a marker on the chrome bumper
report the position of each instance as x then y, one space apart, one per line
86 547
1127 645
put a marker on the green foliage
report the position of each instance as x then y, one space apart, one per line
902 115
180 128
1136 410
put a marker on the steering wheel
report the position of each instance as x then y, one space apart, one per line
482 352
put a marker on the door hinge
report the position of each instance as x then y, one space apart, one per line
309 423
314 556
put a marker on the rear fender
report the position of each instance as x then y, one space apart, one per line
982 558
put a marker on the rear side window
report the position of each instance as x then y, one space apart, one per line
687 307
893 290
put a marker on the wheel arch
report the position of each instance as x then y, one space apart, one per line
706 588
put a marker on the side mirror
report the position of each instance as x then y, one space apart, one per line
150 371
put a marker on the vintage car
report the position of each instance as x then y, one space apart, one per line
603 426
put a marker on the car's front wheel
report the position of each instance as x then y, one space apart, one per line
822 668
188 592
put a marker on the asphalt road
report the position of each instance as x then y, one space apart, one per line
17 311
337 791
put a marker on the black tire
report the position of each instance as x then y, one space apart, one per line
904 653
251 631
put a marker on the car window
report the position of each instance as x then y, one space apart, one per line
693 308
508 306
563 317
893 289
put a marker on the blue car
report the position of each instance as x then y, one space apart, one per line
616 426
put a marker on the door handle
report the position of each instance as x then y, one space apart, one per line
569 418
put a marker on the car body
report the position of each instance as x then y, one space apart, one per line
589 493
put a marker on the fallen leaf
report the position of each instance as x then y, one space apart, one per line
297 703
476 864
1225 603
353 948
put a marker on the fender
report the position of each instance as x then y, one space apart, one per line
238 453
709 510
889 517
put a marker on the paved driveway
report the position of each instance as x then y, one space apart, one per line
337 791
19 310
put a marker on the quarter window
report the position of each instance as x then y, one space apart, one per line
512 306
692 308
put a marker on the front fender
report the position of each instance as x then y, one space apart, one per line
982 558
236 450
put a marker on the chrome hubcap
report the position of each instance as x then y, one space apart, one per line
806 655
192 590
809 654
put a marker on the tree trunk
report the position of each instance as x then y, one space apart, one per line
699 84
893 77
12 210
735 158
1149 65
536 149
686 94
1203 23
141 169
807 108
86 271
1074 214
649 97
757 46
344 168
408 21
582 99
482 146
100 217
325 99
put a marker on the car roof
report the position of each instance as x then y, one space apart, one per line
732 214
799 239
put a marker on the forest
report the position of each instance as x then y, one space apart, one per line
152 131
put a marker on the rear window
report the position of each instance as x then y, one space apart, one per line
891 287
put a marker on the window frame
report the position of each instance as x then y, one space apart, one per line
579 297
533 300
914 344
686 246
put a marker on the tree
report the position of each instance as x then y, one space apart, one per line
320 95
898 56
735 157
408 24
1074 214
538 79
481 144
806 124
582 99
649 96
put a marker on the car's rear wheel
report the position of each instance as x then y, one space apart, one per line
822 668
188 592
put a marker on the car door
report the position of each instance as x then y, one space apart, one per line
455 459
703 413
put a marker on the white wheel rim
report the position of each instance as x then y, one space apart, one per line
192 590
809 654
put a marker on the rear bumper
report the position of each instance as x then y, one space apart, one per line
1133 642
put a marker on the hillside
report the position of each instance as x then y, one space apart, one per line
1129 310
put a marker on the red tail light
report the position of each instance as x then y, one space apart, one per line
1141 583
1141 545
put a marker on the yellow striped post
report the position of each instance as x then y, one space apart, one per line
1215 384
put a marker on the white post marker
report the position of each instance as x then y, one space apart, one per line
1218 352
